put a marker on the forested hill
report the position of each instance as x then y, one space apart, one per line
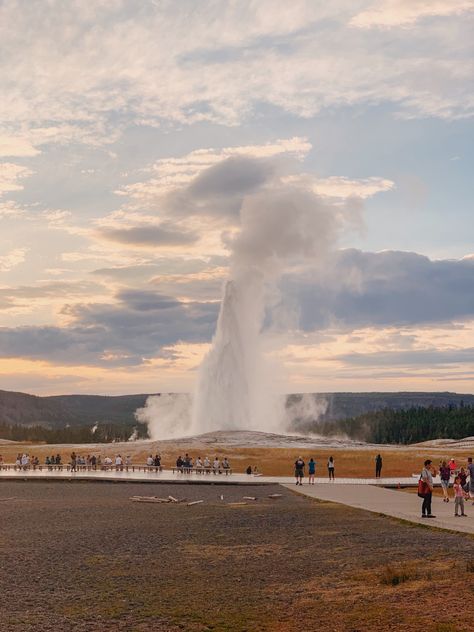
75 410
405 426
67 410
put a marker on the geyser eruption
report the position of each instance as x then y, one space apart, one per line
281 229
235 388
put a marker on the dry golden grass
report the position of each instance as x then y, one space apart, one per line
350 462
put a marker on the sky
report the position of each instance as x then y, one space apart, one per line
132 134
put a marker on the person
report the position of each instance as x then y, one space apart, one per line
226 464
216 466
427 477
453 466
149 460
378 466
470 469
299 470
198 465
444 475
58 459
179 463
157 460
94 462
119 462
458 497
207 464
73 461
311 471
249 470
463 476
331 468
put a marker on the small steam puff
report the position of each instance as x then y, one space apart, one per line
237 384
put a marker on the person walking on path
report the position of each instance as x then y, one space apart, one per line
458 497
299 470
331 468
445 475
427 478
311 471
378 466
470 467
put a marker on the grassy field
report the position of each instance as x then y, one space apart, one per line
397 461
82 557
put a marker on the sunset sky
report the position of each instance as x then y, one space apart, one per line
131 133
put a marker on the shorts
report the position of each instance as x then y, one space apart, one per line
298 473
444 484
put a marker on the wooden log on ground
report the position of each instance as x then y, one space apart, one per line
195 502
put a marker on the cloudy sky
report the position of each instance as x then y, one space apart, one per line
131 135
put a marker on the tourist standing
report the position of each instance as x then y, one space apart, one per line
458 497
311 471
331 468
445 475
427 478
378 466
73 461
299 470
470 467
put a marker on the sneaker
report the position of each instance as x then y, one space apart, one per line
430 516
463 515
456 515
423 516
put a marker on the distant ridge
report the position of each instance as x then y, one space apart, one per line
74 410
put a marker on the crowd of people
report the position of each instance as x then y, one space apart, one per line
450 473
187 464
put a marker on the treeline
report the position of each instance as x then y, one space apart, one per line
100 433
405 426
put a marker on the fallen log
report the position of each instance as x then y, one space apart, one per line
249 497
275 496
195 502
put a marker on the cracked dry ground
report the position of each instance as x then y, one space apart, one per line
82 556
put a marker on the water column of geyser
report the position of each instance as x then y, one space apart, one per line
235 386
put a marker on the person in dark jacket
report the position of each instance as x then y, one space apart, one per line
378 466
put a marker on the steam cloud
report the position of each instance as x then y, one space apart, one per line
280 226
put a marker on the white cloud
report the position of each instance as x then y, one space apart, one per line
172 173
12 259
83 71
341 187
16 146
10 174
390 13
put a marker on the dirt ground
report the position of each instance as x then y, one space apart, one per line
83 557
350 462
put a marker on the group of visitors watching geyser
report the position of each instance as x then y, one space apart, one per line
25 461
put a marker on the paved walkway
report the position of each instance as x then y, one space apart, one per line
167 476
390 502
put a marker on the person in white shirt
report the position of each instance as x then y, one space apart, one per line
119 462
149 461
198 464
207 464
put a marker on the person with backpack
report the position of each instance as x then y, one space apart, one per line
311 471
299 470
425 489
445 475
